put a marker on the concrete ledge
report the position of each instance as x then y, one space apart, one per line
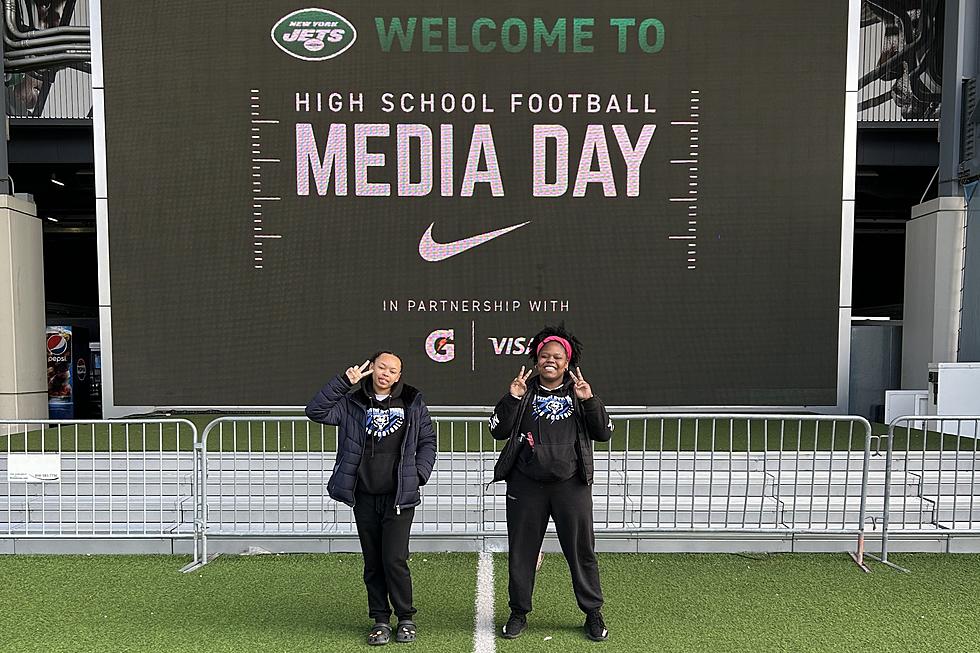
935 542
94 546
239 546
183 547
437 544
921 543
347 546
19 205
938 204
964 544
720 543
613 544
830 544
496 543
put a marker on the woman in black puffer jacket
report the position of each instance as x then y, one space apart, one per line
386 448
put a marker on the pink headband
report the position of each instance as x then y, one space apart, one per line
564 343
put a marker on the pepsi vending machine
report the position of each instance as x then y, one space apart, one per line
68 372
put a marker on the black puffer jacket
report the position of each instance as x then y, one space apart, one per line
591 419
335 404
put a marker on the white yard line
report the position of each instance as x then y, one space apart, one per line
484 633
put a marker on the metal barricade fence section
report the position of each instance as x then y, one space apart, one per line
697 472
74 479
932 481
268 476
783 473
666 472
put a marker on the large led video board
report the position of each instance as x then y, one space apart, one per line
287 189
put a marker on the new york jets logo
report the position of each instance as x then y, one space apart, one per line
314 34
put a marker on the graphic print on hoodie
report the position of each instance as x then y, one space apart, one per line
551 407
382 422
549 420
384 431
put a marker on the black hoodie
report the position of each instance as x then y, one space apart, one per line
385 429
549 428
592 423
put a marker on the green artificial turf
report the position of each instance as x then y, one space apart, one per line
729 603
654 602
261 604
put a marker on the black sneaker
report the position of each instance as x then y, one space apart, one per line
516 625
595 627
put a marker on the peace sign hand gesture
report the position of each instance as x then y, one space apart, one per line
355 373
518 387
582 388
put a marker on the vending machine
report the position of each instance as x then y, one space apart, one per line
95 383
69 372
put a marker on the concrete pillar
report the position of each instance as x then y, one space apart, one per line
23 360
934 241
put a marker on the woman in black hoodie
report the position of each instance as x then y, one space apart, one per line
386 448
549 422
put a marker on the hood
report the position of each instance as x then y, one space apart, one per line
365 392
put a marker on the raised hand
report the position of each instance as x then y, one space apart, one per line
582 388
518 387
356 373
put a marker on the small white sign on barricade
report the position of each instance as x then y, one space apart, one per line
34 467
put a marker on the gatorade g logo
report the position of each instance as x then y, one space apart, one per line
439 345
313 34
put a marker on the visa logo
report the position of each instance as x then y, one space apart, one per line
510 346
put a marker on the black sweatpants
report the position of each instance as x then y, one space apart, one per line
529 505
384 543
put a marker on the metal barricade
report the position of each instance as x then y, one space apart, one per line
262 476
693 473
778 473
98 479
745 473
931 477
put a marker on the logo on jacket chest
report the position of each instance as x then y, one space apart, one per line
551 407
382 422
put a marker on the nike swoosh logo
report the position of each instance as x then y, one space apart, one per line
432 251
